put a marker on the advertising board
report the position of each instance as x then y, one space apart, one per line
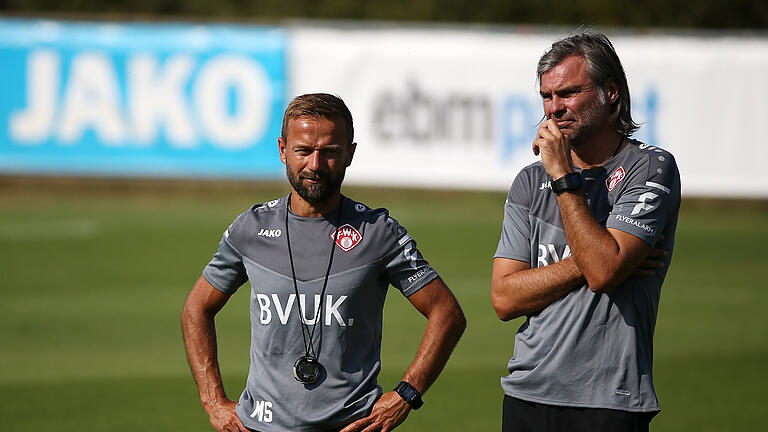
140 99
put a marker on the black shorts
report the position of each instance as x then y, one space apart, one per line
523 416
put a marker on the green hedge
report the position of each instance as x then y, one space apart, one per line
688 14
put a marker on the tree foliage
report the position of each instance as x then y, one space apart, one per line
687 14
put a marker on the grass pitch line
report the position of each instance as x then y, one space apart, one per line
49 230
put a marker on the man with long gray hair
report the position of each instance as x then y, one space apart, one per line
586 243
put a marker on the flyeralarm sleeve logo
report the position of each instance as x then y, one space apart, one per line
347 237
615 178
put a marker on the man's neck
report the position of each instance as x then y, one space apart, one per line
596 149
303 208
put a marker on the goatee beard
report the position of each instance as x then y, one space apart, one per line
314 193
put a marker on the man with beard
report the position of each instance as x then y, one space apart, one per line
319 265
586 242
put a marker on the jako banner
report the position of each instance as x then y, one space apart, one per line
141 99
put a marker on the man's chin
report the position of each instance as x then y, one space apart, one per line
314 195
568 134
572 135
314 192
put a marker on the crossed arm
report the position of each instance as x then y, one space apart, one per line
445 325
517 289
600 257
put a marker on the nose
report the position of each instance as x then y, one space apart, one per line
556 107
315 161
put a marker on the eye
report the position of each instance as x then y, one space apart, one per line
569 92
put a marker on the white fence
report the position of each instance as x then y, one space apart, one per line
453 108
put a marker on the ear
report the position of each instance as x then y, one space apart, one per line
611 91
281 148
350 153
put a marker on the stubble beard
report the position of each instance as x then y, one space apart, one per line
589 121
315 193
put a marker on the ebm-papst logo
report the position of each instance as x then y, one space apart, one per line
347 237
615 178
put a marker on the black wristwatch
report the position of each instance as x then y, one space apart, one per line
409 394
569 181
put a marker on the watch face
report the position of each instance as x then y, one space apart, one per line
405 391
409 394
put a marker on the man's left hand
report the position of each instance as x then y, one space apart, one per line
388 412
554 148
653 263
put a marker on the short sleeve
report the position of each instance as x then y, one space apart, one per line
515 241
650 198
226 271
406 269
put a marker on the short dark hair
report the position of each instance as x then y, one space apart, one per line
319 105
602 65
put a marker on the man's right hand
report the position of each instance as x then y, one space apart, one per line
223 417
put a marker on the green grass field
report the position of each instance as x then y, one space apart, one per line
93 281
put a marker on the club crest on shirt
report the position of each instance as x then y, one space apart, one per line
615 178
347 237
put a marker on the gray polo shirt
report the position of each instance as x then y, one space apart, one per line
588 349
372 251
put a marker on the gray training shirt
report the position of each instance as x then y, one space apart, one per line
372 251
587 349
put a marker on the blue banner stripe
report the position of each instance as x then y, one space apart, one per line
141 99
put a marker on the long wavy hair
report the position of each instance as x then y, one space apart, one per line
602 65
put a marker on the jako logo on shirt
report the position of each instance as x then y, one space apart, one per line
615 178
272 233
347 237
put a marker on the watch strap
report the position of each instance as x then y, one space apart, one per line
409 394
569 181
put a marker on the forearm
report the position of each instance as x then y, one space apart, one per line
200 340
445 324
596 252
444 328
529 291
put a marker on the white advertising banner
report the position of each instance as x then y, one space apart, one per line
459 109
